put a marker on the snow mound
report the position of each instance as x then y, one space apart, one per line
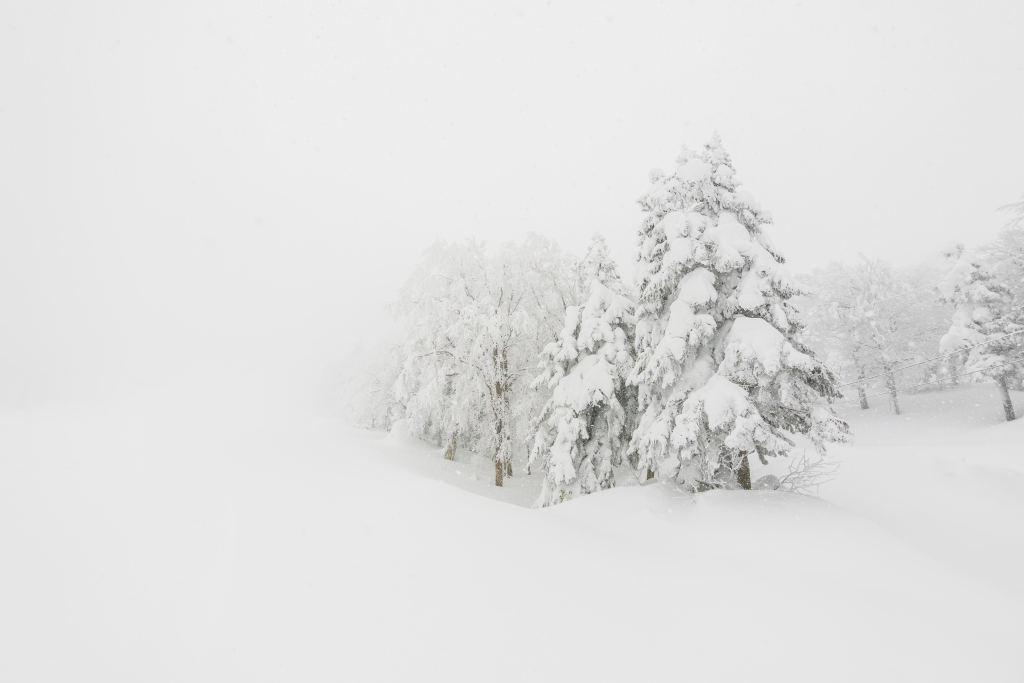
403 432
284 549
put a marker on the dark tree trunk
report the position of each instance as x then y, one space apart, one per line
890 383
499 471
650 474
861 392
1004 389
956 364
501 452
450 453
501 409
743 472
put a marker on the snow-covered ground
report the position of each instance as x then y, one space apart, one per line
190 545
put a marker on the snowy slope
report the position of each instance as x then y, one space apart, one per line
946 476
185 546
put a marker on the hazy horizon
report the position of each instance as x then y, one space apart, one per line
224 195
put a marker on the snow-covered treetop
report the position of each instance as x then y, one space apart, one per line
984 311
968 280
703 247
699 217
598 266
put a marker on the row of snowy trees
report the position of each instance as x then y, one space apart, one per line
701 366
957 318
687 377
868 319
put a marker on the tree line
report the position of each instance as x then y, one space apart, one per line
710 356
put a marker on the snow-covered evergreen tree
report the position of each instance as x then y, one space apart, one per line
1004 257
584 428
984 313
719 371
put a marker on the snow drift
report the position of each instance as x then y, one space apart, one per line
184 547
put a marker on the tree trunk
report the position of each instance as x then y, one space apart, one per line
501 410
1004 389
743 472
650 474
890 383
956 364
861 393
450 453
502 454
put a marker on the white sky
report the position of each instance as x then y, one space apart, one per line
200 189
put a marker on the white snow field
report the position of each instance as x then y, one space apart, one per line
201 545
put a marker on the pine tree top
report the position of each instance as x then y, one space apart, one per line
969 281
699 218
598 266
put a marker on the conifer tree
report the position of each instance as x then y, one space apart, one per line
984 311
720 373
1005 257
584 428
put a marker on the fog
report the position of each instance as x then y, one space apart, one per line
210 202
